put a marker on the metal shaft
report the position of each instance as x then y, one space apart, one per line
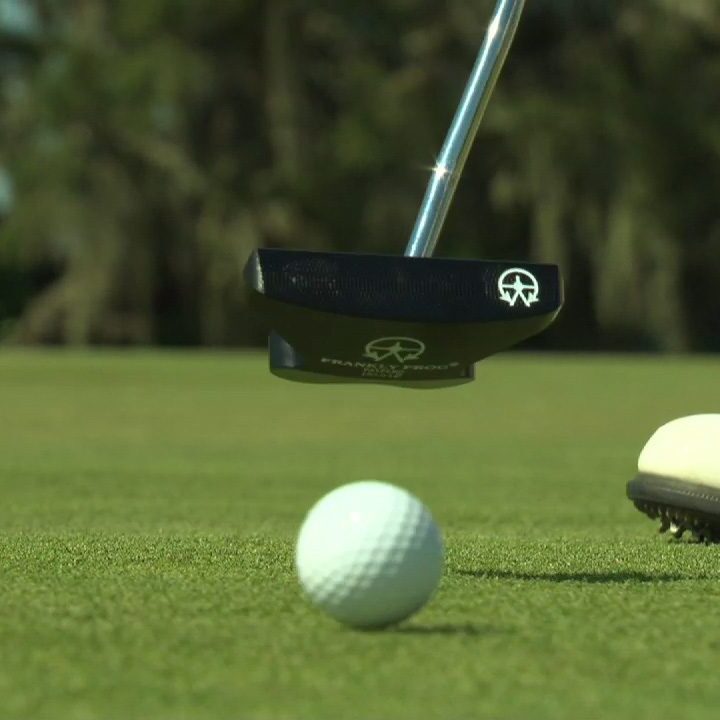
463 130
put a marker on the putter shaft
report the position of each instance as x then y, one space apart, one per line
464 128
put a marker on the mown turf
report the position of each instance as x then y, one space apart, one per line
148 505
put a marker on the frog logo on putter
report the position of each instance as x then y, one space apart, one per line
402 349
518 284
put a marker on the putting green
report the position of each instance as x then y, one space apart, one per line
148 505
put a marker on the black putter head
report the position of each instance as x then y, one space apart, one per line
410 322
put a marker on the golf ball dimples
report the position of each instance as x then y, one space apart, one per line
369 554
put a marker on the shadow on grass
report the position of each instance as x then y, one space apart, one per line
466 630
590 578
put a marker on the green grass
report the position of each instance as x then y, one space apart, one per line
148 505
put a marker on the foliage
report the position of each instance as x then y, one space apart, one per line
152 145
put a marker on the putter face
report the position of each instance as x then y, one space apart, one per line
409 322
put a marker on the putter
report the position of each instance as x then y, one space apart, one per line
411 321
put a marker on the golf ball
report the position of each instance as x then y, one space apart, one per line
369 554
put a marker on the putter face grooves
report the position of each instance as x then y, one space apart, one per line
464 128
397 289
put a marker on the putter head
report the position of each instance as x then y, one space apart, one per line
409 322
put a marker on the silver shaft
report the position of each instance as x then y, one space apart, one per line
463 130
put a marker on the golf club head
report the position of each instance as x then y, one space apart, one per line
408 322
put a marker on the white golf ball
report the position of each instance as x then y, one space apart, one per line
369 554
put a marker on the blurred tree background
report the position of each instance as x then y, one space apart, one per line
147 147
